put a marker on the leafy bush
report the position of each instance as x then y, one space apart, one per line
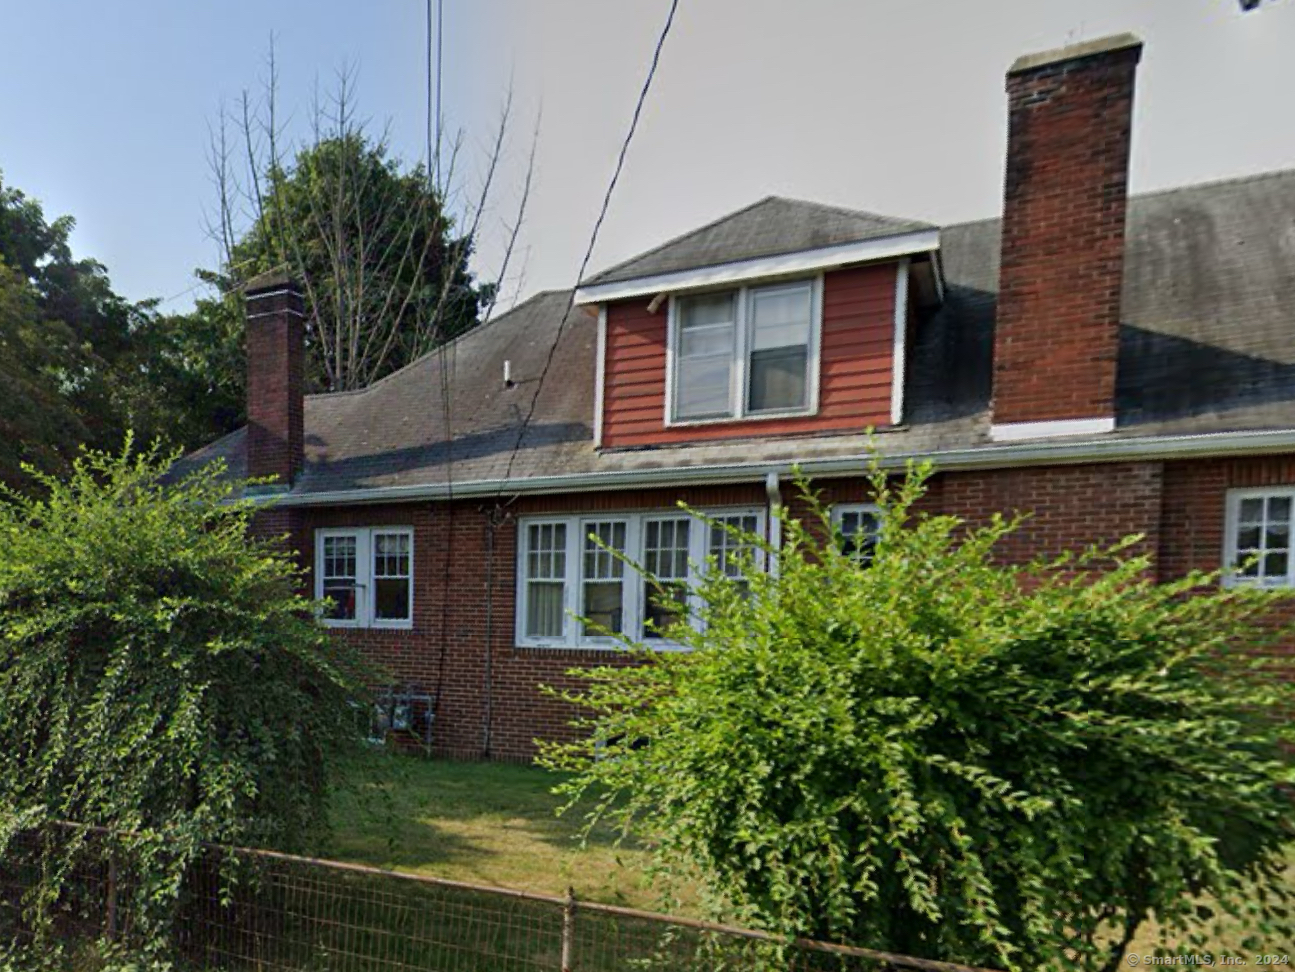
935 754
159 675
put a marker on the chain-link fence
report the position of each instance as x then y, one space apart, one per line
281 913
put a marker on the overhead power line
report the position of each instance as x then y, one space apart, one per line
593 237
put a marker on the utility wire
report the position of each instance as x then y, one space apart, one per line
593 239
443 353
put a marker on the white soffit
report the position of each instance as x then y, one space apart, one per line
865 251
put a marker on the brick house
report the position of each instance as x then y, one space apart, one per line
1111 365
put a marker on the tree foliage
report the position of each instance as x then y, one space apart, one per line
65 342
159 674
385 281
934 754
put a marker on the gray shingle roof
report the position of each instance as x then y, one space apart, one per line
770 227
1207 345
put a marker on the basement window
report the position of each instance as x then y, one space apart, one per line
857 526
366 576
1259 537
575 588
746 353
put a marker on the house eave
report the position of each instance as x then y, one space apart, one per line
804 261
1146 448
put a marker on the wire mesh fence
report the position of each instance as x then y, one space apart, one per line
243 909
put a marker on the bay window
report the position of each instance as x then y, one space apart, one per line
574 586
745 353
366 575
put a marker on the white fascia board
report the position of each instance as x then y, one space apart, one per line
865 251
1019 431
1037 453
600 376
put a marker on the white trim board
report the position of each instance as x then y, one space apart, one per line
901 340
1019 431
600 376
865 251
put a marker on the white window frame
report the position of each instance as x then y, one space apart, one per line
739 390
841 510
1231 527
633 599
365 602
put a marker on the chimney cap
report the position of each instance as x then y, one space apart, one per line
277 279
1075 52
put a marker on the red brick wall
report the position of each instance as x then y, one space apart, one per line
1178 506
855 367
458 595
275 383
1057 332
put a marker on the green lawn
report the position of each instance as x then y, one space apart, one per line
485 823
496 824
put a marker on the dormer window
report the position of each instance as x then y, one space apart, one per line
750 352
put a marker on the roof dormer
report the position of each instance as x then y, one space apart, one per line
783 318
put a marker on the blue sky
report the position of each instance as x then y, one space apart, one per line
105 107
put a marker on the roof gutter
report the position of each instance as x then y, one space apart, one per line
1146 448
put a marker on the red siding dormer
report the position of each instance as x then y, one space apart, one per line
857 358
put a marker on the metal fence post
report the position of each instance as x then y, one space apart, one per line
568 928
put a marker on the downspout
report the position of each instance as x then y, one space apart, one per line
773 492
491 522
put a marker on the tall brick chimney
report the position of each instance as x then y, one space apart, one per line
275 377
1056 339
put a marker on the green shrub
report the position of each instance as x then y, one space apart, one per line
938 755
159 675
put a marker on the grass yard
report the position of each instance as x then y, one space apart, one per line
485 823
496 824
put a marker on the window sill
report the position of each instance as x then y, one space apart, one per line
600 647
673 423
358 626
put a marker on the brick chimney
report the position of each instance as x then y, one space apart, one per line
275 377
1056 339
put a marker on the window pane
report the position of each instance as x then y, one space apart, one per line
391 555
1274 564
665 548
342 594
338 583
859 533
391 599
663 607
711 340
727 549
602 607
703 387
704 359
544 609
547 556
704 309
778 379
665 557
780 317
1263 539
